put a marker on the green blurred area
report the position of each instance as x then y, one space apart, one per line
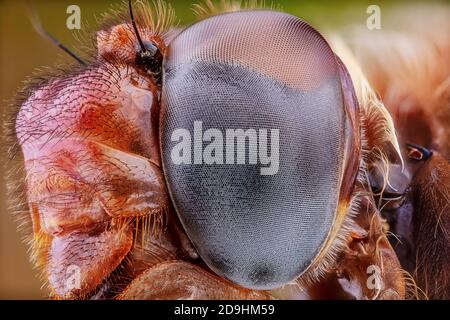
22 51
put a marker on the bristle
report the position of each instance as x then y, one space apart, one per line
157 16
208 8
413 291
154 20
148 226
377 122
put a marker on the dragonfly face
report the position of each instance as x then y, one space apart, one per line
248 120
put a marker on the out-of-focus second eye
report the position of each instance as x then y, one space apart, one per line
418 153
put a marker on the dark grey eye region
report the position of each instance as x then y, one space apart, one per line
258 209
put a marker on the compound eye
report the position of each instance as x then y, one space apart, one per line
253 133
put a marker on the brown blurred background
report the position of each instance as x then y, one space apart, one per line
22 51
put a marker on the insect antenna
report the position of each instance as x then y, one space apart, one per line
133 22
37 25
